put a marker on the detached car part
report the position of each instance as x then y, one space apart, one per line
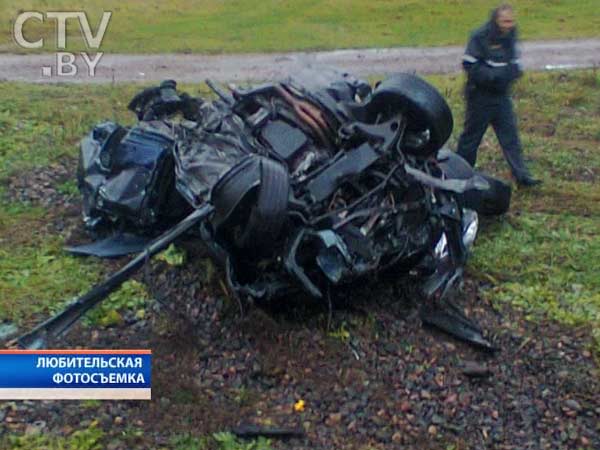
295 186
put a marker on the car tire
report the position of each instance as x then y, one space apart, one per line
422 103
251 202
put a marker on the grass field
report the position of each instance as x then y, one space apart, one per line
543 256
216 26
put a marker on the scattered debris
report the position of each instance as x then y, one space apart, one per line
573 405
299 405
35 428
475 370
254 431
7 330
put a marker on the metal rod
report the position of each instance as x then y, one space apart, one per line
63 321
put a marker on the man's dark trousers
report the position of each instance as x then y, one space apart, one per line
484 109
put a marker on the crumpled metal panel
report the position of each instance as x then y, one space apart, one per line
127 175
205 153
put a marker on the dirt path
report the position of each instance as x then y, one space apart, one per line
537 55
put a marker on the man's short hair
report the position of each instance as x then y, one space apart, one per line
501 8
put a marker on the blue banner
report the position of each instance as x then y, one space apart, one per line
75 369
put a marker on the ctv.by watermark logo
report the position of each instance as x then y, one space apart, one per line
65 61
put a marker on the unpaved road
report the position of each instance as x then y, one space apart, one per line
537 55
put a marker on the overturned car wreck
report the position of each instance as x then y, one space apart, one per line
294 186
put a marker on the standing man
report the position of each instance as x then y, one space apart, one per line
491 64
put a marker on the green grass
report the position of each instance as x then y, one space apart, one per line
39 125
228 441
216 26
35 272
38 277
85 439
131 296
93 438
545 264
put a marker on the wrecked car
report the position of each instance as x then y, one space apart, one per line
295 187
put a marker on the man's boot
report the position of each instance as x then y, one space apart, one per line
528 181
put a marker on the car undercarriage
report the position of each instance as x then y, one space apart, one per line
297 187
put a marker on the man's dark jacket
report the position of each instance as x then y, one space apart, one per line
490 61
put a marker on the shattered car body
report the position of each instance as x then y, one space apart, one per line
295 186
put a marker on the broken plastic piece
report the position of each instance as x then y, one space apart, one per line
112 247
349 165
284 139
448 318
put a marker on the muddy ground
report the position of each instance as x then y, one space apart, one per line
536 55
370 375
